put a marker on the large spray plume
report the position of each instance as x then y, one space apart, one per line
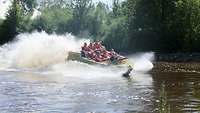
142 61
40 50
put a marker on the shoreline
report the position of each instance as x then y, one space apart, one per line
191 67
178 57
177 62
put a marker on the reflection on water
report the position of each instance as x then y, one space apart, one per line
183 90
40 93
32 92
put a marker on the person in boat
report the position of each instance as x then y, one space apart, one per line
91 53
91 46
113 55
99 58
97 46
95 51
102 53
105 54
84 50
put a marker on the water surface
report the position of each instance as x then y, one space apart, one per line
43 93
35 77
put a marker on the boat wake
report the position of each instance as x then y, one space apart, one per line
44 53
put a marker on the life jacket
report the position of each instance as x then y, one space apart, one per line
91 47
106 54
98 58
91 54
97 46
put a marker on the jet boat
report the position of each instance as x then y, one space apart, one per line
118 62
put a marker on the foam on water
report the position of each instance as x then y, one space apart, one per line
81 70
142 61
41 51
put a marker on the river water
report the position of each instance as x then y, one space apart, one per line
35 78
32 92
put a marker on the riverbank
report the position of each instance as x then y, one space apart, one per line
176 67
177 57
177 62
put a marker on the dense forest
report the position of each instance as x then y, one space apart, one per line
129 26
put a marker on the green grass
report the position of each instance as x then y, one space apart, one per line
163 105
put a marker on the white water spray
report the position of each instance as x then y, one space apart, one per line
142 61
39 50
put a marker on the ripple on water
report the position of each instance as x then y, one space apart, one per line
73 95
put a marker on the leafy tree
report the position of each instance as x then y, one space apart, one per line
25 11
132 25
54 19
96 22
189 13
117 31
81 9
150 24
116 36
28 5
8 28
1 21
52 3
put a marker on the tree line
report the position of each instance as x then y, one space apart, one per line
129 26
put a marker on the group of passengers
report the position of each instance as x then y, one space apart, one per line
97 52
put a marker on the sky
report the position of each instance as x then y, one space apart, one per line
5 3
3 7
108 2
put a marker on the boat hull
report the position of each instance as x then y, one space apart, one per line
121 63
77 57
